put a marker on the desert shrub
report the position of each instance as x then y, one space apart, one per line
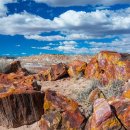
83 99
114 89
83 96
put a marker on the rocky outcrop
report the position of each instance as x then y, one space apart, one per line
76 67
108 66
95 94
23 103
122 110
50 121
54 73
103 117
20 103
15 67
19 82
20 108
60 113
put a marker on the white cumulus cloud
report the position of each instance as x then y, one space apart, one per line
24 24
66 3
72 25
3 8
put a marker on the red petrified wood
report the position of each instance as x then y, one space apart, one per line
103 117
108 66
64 110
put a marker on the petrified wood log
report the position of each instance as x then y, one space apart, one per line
20 108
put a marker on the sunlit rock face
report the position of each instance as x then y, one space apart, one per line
22 101
108 66
60 113
76 67
55 72
18 78
103 117
20 108
8 81
122 110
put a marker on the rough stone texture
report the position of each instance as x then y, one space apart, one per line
95 94
20 108
54 73
30 82
126 90
72 120
18 77
68 109
126 94
53 101
76 67
103 117
50 120
122 110
21 104
18 81
108 66
10 78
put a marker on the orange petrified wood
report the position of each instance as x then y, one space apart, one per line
63 109
108 66
76 67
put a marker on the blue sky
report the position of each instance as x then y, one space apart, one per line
33 27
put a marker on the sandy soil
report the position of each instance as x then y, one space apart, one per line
34 126
70 87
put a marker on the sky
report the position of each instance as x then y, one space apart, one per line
34 27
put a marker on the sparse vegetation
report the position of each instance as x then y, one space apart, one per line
3 65
83 97
114 89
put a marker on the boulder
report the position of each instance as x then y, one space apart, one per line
54 73
76 67
18 81
108 66
19 108
15 67
10 78
64 110
95 94
30 82
54 101
72 120
50 121
103 117
122 110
